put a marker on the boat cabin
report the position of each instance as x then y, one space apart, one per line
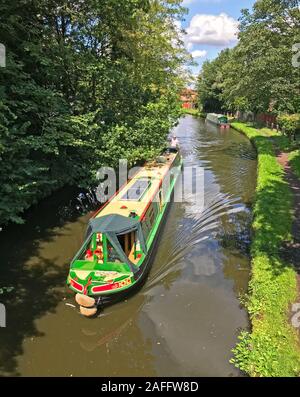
120 235
113 241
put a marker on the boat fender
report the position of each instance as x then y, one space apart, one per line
85 301
88 312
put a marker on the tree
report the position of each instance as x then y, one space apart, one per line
258 74
85 82
260 69
211 83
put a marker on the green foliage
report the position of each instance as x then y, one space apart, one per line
271 349
258 74
84 84
294 160
289 123
193 112
143 140
4 290
210 83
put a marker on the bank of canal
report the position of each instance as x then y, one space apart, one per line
272 347
187 317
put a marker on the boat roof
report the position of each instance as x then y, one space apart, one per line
113 223
216 115
140 189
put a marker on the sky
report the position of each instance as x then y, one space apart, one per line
211 26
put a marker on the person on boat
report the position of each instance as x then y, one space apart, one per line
174 142
89 255
99 252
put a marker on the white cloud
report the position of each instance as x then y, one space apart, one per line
215 30
199 53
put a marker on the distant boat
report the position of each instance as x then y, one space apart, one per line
122 234
219 119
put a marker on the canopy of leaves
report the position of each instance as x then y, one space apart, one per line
258 74
85 83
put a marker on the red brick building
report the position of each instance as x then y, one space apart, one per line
189 98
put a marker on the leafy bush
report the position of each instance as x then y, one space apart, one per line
289 124
78 93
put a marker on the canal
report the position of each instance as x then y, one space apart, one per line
186 318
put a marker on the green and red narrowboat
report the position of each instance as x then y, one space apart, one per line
120 237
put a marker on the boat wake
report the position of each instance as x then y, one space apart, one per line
189 235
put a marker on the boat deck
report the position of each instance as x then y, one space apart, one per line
136 195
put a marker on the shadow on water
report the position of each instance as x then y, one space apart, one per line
37 281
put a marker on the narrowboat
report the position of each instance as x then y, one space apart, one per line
120 237
219 119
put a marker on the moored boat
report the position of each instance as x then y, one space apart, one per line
115 256
219 119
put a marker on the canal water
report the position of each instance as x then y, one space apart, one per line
186 318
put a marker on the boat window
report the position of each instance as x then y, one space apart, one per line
130 245
146 228
160 196
155 206
87 252
99 249
92 249
149 219
137 190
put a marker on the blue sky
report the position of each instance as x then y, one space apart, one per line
211 26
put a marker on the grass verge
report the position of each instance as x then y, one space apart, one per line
194 112
271 348
294 159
